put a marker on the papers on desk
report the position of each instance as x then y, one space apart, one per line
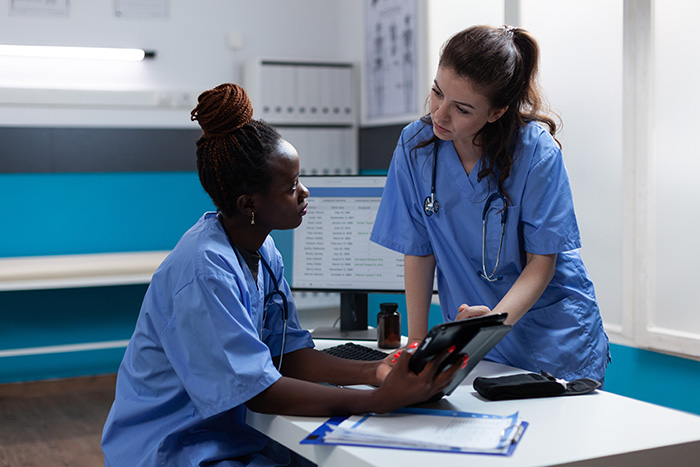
425 429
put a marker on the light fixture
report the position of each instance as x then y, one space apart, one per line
87 53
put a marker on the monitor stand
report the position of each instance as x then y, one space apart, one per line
353 320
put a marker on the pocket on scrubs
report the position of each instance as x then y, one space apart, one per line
557 338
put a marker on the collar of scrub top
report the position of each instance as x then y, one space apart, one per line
269 296
504 216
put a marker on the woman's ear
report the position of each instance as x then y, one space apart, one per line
246 205
496 114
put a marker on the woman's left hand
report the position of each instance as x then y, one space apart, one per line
388 363
465 311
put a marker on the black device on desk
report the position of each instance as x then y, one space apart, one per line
473 337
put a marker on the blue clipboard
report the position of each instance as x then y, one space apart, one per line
318 435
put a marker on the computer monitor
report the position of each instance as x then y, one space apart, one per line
331 250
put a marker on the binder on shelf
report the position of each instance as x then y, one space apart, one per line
312 104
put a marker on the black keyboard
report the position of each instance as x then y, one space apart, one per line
355 352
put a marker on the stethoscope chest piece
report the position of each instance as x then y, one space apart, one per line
430 205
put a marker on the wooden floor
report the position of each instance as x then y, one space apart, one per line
54 423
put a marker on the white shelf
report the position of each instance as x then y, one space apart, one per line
84 270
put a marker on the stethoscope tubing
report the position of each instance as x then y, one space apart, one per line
504 216
285 306
431 206
269 296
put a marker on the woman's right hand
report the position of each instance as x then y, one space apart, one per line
465 311
403 387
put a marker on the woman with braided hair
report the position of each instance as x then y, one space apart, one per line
218 331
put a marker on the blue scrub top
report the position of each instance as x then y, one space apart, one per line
196 356
563 332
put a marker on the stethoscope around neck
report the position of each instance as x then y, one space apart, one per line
285 306
270 295
431 206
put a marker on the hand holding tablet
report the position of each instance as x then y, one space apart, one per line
472 339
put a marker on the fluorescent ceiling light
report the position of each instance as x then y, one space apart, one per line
89 53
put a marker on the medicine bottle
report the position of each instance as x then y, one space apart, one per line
388 326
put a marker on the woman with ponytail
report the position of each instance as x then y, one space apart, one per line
218 331
477 193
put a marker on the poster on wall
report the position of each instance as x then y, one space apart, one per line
391 62
39 7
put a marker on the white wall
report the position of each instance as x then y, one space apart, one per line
623 75
581 75
448 17
192 54
674 224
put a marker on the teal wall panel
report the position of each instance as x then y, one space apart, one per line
39 318
42 318
654 377
55 214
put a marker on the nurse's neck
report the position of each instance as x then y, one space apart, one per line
468 154
242 233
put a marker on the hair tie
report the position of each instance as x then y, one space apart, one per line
508 31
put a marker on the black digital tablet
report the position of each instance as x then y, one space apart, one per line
474 337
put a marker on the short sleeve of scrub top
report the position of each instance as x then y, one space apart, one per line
216 352
399 223
546 204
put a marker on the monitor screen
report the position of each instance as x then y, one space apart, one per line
331 248
332 251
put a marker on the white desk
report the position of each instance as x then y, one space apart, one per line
594 429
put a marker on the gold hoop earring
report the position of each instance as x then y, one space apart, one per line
252 218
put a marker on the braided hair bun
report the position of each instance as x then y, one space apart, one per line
234 152
222 110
